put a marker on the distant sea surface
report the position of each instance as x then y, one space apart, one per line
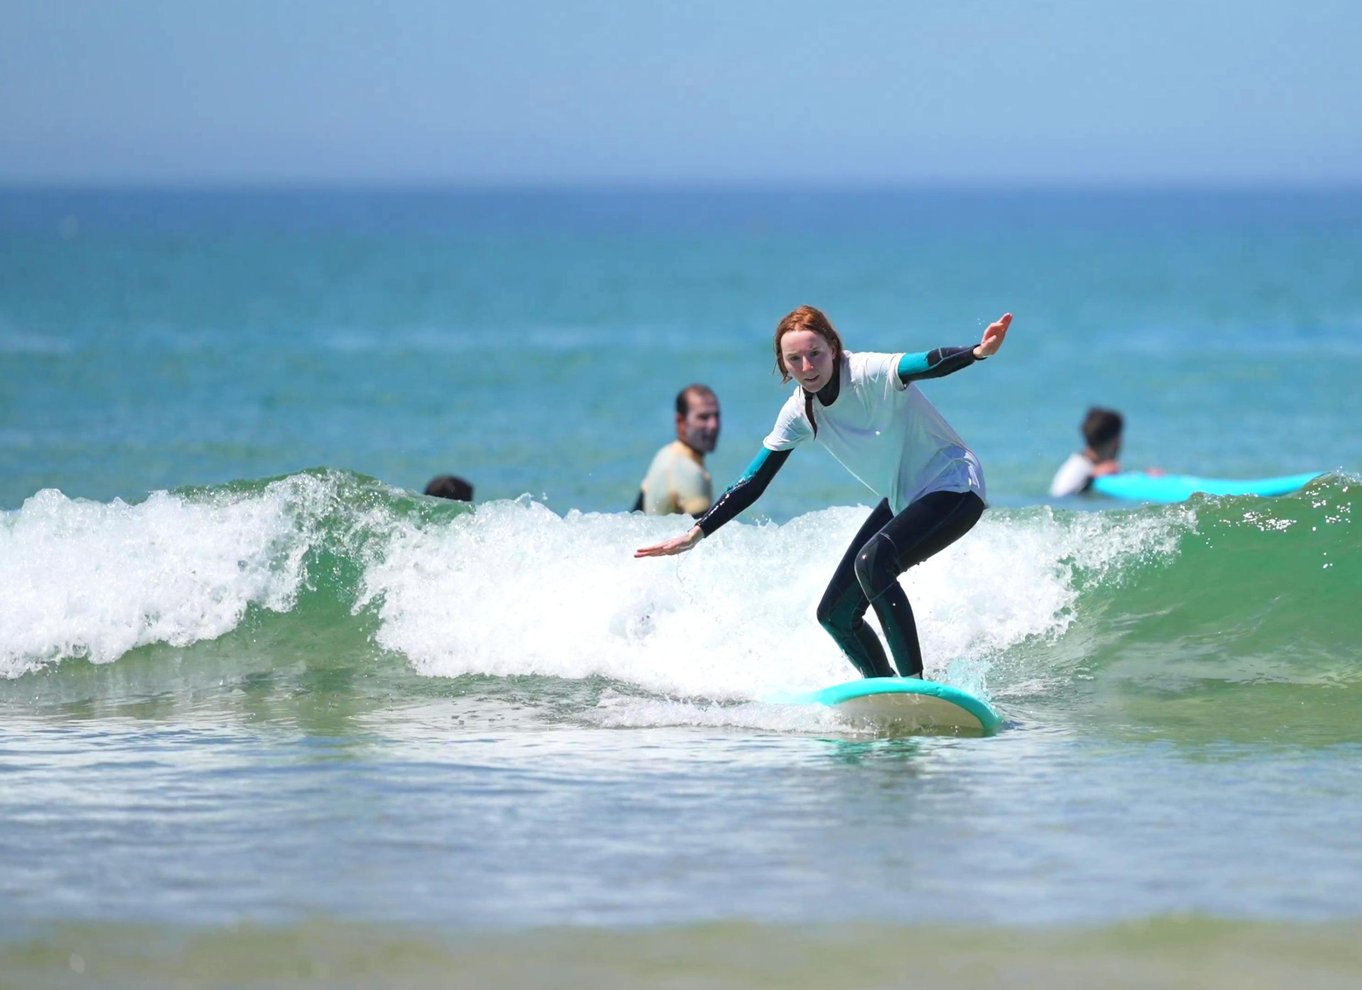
269 716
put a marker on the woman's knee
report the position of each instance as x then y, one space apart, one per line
842 610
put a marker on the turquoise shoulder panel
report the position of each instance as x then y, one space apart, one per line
911 365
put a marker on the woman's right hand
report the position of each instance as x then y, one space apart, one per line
994 335
677 544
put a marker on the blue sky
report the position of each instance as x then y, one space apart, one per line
710 91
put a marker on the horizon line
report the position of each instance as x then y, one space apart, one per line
735 185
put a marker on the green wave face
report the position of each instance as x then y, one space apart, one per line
1250 630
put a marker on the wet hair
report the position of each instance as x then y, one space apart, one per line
450 486
1102 426
683 397
807 318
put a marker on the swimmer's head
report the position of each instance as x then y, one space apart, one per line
1102 430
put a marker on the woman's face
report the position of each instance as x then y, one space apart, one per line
808 358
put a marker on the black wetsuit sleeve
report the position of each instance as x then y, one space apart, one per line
638 502
935 364
743 492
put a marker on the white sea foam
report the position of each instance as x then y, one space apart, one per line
515 589
95 580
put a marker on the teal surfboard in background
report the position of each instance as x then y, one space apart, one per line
907 705
1137 486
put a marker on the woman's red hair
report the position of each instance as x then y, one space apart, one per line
807 318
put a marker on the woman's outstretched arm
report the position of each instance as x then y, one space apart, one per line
948 360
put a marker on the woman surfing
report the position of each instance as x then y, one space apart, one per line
865 410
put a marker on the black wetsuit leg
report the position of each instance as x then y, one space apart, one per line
842 610
924 528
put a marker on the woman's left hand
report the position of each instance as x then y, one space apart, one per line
994 335
677 544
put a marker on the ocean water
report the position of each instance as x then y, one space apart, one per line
269 716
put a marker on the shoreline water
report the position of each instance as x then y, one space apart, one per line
1160 952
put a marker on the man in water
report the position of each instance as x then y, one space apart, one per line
677 480
1102 432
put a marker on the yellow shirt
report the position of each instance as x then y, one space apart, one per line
677 482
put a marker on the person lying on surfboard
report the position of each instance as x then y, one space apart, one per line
865 409
1101 429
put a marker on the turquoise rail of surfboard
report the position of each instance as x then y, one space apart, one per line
1136 486
989 720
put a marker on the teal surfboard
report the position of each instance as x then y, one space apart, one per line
1137 486
909 705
